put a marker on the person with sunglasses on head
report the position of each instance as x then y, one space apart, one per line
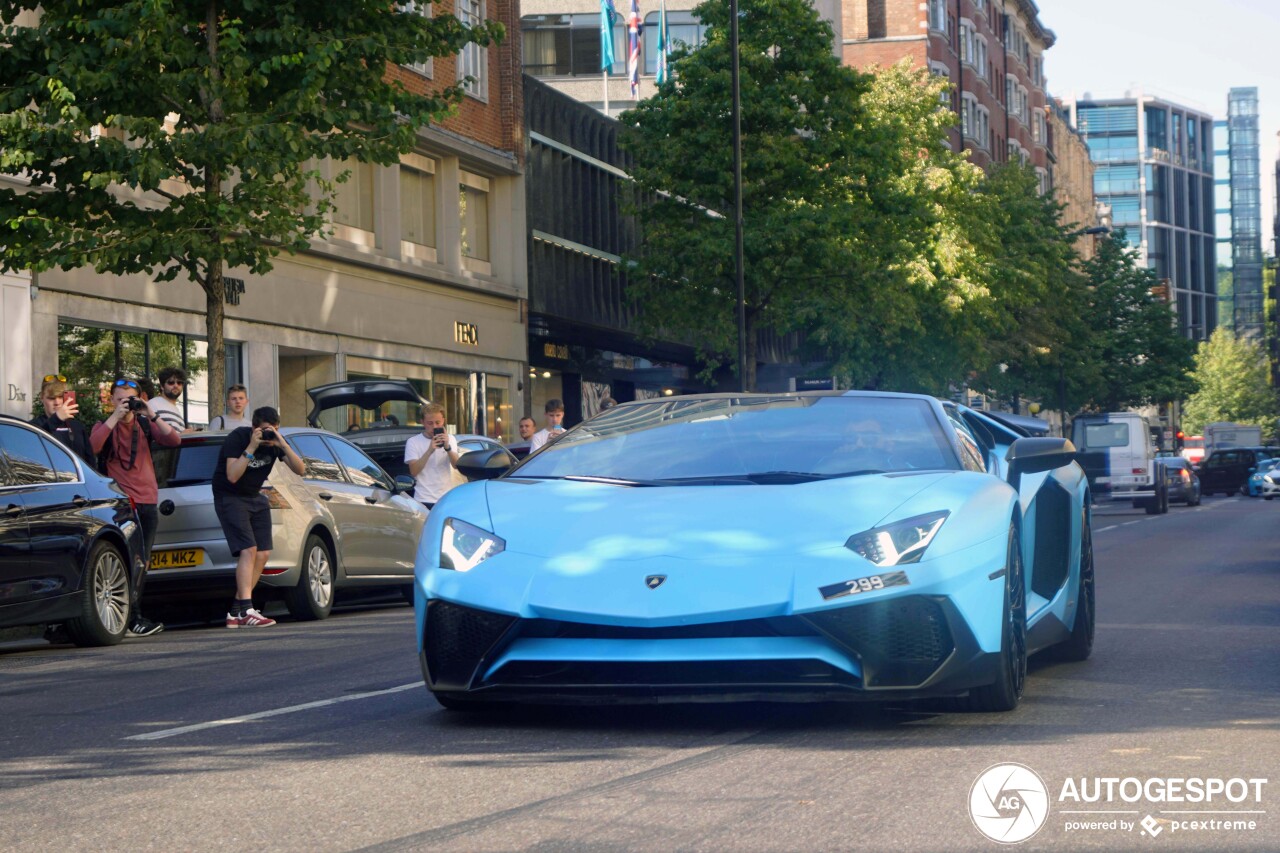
164 406
59 418
123 444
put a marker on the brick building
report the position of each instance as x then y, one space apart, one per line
992 52
1073 178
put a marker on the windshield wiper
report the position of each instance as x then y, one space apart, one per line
784 477
609 481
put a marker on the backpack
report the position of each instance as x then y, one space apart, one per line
108 449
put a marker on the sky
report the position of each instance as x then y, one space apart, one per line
1188 51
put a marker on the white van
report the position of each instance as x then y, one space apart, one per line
1118 453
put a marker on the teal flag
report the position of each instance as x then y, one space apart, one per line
664 47
607 16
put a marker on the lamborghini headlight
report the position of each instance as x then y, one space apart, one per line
898 543
464 546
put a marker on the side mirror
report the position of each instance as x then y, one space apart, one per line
404 485
1033 455
485 464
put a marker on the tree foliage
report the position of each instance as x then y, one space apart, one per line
177 137
1132 336
1233 382
843 200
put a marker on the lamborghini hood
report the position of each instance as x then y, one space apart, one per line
619 523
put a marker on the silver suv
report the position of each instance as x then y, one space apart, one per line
345 523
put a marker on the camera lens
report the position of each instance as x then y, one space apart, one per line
136 405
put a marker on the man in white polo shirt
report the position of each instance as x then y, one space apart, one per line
431 456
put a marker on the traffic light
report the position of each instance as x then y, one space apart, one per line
1178 437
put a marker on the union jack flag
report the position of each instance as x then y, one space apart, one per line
634 27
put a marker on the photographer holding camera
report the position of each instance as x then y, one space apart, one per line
123 444
432 457
243 510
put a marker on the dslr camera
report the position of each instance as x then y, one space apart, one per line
137 404
268 434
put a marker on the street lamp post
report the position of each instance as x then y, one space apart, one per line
739 276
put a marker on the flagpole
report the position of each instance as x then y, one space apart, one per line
605 75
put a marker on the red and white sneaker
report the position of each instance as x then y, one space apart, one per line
251 619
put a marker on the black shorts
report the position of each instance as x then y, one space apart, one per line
245 520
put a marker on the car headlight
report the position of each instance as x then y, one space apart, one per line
1270 478
464 546
899 543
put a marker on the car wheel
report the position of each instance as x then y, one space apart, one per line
1079 645
1266 497
312 598
1004 693
104 599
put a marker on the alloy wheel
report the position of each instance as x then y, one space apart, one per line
111 591
320 576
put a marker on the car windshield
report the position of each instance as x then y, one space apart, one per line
749 439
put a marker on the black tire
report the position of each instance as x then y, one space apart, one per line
1266 497
1079 645
1006 691
104 598
312 597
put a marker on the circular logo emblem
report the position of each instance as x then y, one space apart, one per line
1009 803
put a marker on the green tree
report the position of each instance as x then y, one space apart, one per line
178 138
832 229
1233 379
1142 357
1037 339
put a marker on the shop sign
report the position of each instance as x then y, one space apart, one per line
560 351
232 290
467 334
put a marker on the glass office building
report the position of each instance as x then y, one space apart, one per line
1153 165
1245 213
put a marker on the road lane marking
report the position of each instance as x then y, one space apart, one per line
275 712
1105 529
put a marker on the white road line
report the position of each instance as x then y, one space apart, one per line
1105 529
1135 521
247 718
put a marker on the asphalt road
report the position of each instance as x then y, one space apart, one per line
320 736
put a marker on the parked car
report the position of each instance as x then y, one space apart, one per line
1181 480
68 539
345 523
1270 486
385 437
1227 471
1257 477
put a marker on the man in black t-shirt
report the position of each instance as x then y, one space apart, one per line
246 460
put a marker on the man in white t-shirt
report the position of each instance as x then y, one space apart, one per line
431 456
237 404
554 411
164 406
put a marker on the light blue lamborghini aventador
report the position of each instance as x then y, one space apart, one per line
853 545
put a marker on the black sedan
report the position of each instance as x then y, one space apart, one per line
68 540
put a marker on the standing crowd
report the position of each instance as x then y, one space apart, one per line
120 447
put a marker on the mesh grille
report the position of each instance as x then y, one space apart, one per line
711 674
458 638
900 642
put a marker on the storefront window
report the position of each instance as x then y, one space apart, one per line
453 391
499 416
544 385
92 356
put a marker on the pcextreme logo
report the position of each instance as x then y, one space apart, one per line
1009 803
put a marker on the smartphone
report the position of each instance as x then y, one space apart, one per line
438 431
69 395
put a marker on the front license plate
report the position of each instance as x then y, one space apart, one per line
177 558
871 583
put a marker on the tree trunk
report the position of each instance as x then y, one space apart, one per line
215 308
